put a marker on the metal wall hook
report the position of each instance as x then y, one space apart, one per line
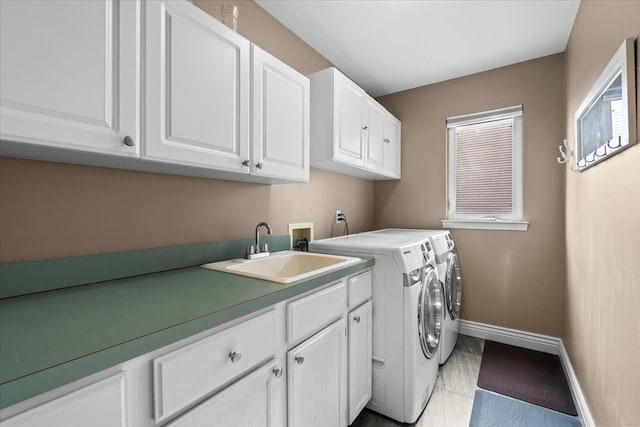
566 153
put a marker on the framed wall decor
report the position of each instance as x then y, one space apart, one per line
606 120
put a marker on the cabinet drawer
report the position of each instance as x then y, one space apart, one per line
311 313
101 404
359 288
190 373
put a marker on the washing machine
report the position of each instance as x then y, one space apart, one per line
407 318
449 273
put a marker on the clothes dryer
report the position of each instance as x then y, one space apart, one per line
407 318
449 273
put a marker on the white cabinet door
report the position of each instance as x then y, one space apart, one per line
392 146
360 342
347 121
280 123
374 148
317 379
197 89
69 75
101 404
256 400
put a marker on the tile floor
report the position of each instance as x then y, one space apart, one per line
452 399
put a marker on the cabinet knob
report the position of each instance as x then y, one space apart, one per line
277 372
387 140
356 318
259 165
128 141
365 127
299 360
246 163
235 356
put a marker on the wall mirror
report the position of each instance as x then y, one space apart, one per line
606 119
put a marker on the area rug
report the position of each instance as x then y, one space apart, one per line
527 375
490 409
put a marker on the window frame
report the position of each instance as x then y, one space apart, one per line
513 221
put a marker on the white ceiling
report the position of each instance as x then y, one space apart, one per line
387 46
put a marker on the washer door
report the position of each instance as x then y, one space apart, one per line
453 286
430 305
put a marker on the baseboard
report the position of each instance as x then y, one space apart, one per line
544 343
576 391
539 342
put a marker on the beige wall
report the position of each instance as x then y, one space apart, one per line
602 321
50 210
511 278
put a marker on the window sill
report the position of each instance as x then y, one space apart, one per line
473 224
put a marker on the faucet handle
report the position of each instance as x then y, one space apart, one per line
264 247
249 250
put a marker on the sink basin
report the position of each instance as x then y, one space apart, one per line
283 267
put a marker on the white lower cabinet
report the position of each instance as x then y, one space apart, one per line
301 362
317 379
101 404
253 401
360 341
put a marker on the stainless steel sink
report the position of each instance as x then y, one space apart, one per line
283 267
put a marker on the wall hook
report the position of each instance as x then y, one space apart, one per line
566 153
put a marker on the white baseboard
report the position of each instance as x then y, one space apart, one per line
539 342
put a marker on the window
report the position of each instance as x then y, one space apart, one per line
485 170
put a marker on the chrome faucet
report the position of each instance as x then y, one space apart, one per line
258 250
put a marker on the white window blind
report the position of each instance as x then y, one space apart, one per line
485 166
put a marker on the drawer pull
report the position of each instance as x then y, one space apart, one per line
235 356
277 372
299 360
356 318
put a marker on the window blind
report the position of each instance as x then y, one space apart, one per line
484 168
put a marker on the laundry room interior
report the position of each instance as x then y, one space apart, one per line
564 280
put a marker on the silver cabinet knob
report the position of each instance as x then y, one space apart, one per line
235 356
277 372
356 318
259 165
299 360
128 141
387 140
246 163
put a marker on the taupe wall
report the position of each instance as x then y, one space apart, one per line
50 210
511 278
602 319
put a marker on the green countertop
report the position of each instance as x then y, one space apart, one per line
52 338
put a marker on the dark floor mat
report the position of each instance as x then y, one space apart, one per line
527 375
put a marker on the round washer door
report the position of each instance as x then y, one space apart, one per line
453 286
430 305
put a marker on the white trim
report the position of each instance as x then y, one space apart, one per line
576 391
498 114
532 341
498 224
539 342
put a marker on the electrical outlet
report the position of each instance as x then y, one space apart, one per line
338 212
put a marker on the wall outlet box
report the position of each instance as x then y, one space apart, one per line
301 230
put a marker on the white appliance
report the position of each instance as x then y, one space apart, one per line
407 312
449 273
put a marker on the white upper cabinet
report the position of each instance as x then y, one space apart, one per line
69 76
347 129
373 135
197 97
280 122
76 78
347 116
391 138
